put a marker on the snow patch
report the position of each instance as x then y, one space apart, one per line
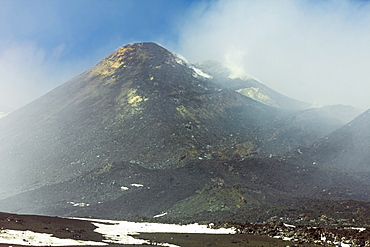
79 204
287 238
124 188
180 59
159 215
283 238
344 245
39 239
360 229
290 226
197 72
137 185
120 232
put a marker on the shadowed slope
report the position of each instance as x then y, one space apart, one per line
214 190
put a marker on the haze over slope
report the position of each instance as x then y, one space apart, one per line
347 148
250 87
144 133
144 105
141 104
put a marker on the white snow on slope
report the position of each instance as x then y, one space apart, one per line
197 72
360 229
79 204
124 188
160 215
180 59
39 239
137 185
119 231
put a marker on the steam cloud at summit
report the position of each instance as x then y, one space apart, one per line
313 51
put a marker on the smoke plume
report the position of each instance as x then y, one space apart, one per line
315 51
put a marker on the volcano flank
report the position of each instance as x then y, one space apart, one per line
141 104
145 133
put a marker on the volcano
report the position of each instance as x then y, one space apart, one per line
141 104
145 132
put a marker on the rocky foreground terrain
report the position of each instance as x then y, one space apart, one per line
327 236
84 232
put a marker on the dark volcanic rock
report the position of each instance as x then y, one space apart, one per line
58 227
266 234
214 190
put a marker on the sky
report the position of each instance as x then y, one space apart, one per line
316 51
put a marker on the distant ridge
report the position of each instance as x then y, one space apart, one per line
347 148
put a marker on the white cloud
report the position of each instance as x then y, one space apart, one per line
316 51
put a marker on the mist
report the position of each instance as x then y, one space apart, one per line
314 51
27 71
